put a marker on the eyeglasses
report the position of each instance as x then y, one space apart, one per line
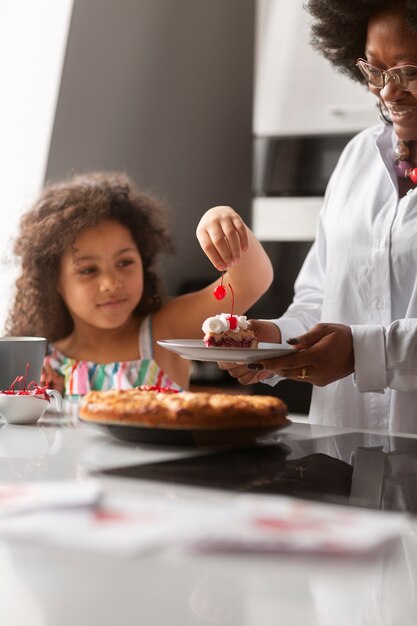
404 76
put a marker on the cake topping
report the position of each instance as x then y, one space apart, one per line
220 290
220 293
232 318
228 330
232 321
221 323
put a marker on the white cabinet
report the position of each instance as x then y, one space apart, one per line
299 97
286 218
297 91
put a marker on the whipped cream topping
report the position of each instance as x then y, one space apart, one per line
220 323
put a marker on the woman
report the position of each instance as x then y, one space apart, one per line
354 314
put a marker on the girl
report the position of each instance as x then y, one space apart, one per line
88 283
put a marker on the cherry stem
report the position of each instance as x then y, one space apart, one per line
233 300
221 282
25 380
26 389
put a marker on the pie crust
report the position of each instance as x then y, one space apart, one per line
183 410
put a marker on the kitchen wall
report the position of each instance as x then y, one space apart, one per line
32 52
163 90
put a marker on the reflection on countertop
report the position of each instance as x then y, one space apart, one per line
47 586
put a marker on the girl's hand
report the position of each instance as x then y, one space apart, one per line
52 379
223 236
229 244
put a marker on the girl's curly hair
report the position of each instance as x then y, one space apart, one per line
61 213
339 28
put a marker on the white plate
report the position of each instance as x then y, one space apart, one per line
195 350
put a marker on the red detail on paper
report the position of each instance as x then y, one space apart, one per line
280 524
109 515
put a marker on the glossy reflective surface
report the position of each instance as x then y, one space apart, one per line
48 586
370 470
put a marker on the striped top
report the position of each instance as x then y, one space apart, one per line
82 376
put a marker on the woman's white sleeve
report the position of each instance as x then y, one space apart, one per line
386 356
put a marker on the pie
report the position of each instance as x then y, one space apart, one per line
184 409
228 331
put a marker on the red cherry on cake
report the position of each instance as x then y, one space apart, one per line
219 292
232 319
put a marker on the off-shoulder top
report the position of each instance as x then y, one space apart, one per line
82 376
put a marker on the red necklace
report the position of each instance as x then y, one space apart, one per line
403 167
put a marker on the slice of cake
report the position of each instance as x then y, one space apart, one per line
228 331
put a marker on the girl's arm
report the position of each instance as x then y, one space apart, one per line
233 248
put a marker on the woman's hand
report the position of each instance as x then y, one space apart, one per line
324 355
264 331
222 234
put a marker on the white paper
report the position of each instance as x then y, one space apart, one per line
281 524
120 525
78 516
19 498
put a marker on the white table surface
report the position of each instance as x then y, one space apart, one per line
42 586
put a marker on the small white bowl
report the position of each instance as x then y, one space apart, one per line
27 409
